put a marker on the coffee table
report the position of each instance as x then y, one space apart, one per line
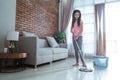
18 62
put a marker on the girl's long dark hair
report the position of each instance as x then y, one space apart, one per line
73 17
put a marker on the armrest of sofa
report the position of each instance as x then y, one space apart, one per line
28 45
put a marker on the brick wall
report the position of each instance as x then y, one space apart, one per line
38 16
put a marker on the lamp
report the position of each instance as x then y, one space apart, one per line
12 37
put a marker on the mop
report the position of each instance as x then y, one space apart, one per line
84 67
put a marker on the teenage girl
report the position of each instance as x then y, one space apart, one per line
77 30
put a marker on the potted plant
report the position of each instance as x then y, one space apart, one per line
60 37
11 47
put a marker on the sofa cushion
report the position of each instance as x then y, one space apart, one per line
52 42
44 51
42 43
28 34
60 50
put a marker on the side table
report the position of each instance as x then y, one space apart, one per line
19 59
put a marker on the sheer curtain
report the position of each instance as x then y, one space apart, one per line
100 29
112 24
65 13
87 11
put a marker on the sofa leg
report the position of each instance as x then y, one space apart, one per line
35 66
51 62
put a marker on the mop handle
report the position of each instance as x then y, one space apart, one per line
77 43
78 46
81 57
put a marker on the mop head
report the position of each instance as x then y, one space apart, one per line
85 69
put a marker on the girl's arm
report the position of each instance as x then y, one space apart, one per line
81 28
72 30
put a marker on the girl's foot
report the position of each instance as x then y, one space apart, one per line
76 64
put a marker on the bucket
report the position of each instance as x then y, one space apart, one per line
101 61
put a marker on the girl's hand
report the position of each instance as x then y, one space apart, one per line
76 37
72 30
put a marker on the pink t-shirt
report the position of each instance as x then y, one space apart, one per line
76 28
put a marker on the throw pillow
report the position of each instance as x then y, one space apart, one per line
52 42
28 34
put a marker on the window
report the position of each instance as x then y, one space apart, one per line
112 28
88 17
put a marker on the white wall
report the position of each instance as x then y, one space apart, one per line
7 19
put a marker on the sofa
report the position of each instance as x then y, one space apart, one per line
40 50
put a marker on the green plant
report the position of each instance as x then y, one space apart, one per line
60 37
